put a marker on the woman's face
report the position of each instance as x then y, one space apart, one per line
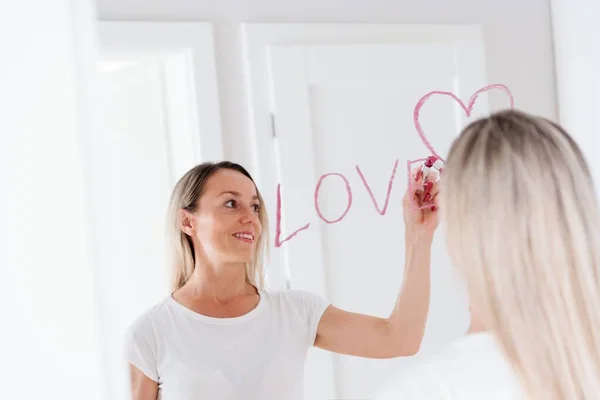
226 225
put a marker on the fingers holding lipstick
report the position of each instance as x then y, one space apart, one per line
424 189
430 191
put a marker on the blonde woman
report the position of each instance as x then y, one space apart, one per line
523 230
221 336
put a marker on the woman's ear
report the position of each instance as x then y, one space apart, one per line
186 223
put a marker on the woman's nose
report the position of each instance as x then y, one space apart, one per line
249 215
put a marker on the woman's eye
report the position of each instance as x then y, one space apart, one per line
256 207
230 203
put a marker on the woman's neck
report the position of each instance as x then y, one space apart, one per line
221 282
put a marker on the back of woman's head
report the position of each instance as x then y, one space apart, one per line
186 196
523 229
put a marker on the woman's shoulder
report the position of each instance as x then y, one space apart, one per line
301 306
299 301
470 366
142 343
144 323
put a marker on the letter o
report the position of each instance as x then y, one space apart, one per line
348 192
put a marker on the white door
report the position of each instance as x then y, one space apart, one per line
344 125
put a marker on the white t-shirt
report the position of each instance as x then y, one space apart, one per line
257 356
472 368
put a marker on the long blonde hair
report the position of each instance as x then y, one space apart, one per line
523 228
185 196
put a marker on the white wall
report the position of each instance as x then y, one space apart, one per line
576 33
517 33
49 346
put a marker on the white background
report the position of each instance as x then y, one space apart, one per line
49 339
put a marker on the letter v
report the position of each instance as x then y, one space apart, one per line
389 189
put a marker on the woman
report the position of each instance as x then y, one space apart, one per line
221 335
523 229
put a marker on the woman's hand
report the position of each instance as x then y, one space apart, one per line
420 206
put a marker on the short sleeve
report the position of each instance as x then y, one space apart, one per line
140 345
314 307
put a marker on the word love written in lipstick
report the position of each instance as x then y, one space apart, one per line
381 210
467 109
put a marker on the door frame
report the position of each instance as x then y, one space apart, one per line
186 47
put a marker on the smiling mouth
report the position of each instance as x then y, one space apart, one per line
246 237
